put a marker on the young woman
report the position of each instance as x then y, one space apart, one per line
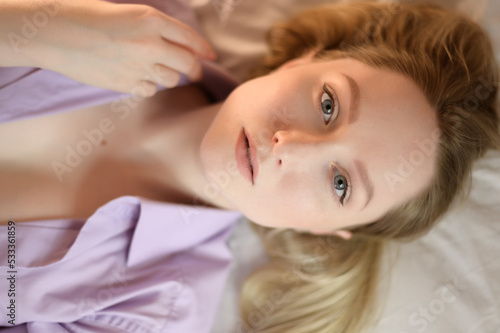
363 125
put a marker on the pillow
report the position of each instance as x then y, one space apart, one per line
236 28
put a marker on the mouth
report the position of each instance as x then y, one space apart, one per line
252 155
246 157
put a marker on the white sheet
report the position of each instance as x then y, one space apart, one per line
449 280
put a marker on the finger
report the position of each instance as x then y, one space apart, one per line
144 88
181 60
163 75
184 35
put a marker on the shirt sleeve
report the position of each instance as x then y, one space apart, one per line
134 266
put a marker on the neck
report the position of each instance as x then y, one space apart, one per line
170 160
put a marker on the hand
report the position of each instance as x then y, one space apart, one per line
119 46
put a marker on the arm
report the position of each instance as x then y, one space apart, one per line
112 46
14 40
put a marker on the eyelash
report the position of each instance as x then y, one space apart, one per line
335 102
347 189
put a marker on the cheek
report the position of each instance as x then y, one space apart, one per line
289 202
264 95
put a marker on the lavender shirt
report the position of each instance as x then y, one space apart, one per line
135 265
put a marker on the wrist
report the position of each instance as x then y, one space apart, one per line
24 21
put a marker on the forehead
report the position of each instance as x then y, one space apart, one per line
396 132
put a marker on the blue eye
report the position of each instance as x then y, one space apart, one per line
341 186
329 105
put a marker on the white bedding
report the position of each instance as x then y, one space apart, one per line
447 281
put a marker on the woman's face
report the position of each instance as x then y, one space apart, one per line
337 144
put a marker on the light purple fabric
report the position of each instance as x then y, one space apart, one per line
42 92
135 265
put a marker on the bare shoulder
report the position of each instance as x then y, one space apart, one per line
67 165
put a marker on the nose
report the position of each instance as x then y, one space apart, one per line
296 147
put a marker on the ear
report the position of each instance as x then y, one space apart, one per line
345 234
305 59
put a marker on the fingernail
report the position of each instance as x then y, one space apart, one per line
211 54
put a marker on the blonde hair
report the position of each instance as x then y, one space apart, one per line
327 284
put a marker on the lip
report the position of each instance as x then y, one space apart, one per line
253 155
242 160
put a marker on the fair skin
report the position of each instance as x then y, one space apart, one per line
193 152
298 156
115 46
281 112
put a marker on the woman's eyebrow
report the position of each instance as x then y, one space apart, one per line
354 102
